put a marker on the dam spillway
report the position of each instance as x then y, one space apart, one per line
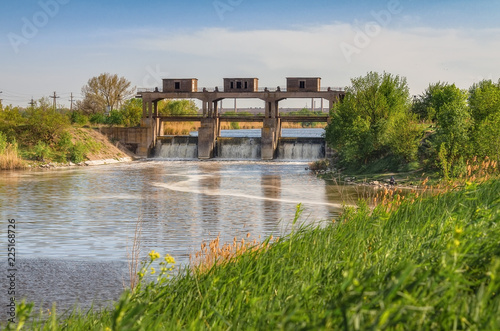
241 148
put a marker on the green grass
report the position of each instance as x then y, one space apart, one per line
431 264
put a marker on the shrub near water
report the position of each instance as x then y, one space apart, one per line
9 156
430 264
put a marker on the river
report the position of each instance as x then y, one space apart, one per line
75 226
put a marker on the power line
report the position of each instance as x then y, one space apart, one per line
54 97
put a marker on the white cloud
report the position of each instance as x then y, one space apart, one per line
423 55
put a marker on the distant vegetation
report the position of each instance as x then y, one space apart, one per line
42 134
379 127
39 134
306 112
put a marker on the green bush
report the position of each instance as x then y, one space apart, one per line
44 125
78 152
115 118
79 118
42 151
3 142
97 118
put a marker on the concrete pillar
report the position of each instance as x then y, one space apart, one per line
144 109
204 107
269 138
206 138
216 108
210 109
268 110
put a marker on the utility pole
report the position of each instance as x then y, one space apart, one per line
71 102
32 103
55 97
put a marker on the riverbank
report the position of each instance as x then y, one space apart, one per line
96 149
429 263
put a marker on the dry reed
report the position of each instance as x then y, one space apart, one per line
215 254
133 256
180 128
10 160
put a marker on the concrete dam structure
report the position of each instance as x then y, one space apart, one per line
240 148
148 140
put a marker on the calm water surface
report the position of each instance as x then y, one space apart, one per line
74 226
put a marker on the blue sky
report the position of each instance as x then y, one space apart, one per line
57 45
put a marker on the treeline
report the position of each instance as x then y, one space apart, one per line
379 126
130 113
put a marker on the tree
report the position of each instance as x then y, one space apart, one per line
371 120
103 91
425 105
177 107
447 106
484 102
132 112
44 124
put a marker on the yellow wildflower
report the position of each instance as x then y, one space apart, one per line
169 259
154 255
152 270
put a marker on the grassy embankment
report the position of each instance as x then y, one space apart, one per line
428 263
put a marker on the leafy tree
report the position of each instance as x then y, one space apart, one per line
450 145
11 118
425 105
103 91
132 112
369 123
484 102
44 124
177 107
484 99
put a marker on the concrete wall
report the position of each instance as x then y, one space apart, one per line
135 139
241 84
303 84
182 84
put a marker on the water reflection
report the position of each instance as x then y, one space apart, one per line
89 214
271 190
